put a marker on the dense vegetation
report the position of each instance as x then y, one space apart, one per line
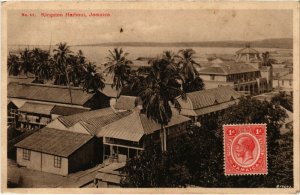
284 100
197 158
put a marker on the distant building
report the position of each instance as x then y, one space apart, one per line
284 83
244 74
204 104
55 151
247 54
240 76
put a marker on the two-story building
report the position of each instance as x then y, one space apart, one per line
38 104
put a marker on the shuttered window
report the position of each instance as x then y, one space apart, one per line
26 154
57 161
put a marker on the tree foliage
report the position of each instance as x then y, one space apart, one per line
64 67
284 100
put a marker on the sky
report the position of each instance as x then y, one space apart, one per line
149 26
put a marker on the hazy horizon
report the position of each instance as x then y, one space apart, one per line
166 26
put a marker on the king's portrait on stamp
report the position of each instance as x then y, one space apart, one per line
150 97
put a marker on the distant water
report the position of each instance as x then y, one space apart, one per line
98 54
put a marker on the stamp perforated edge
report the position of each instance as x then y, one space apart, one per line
224 159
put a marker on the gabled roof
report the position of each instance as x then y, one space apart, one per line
135 125
247 50
71 120
37 108
209 101
55 142
228 68
48 93
94 125
66 110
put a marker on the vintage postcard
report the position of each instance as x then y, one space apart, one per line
150 97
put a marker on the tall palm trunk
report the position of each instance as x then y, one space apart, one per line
163 138
68 83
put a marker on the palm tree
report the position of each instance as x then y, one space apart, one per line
13 63
77 72
61 57
26 65
192 81
42 65
92 79
162 89
118 67
170 57
266 61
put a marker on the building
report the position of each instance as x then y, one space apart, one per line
201 105
127 103
34 115
58 152
56 95
38 104
244 74
109 176
247 54
240 76
110 92
129 135
284 83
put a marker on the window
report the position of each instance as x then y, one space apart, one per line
26 154
282 82
212 77
290 82
57 161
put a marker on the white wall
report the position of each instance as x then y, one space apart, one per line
47 162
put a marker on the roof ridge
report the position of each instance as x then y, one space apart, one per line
47 85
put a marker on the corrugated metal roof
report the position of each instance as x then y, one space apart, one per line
55 142
150 125
135 125
66 111
36 108
48 93
228 68
128 128
209 97
127 102
215 108
94 125
70 120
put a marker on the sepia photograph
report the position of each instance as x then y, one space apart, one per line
170 97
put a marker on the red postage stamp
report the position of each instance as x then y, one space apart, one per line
245 149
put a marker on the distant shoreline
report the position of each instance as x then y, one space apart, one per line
280 43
